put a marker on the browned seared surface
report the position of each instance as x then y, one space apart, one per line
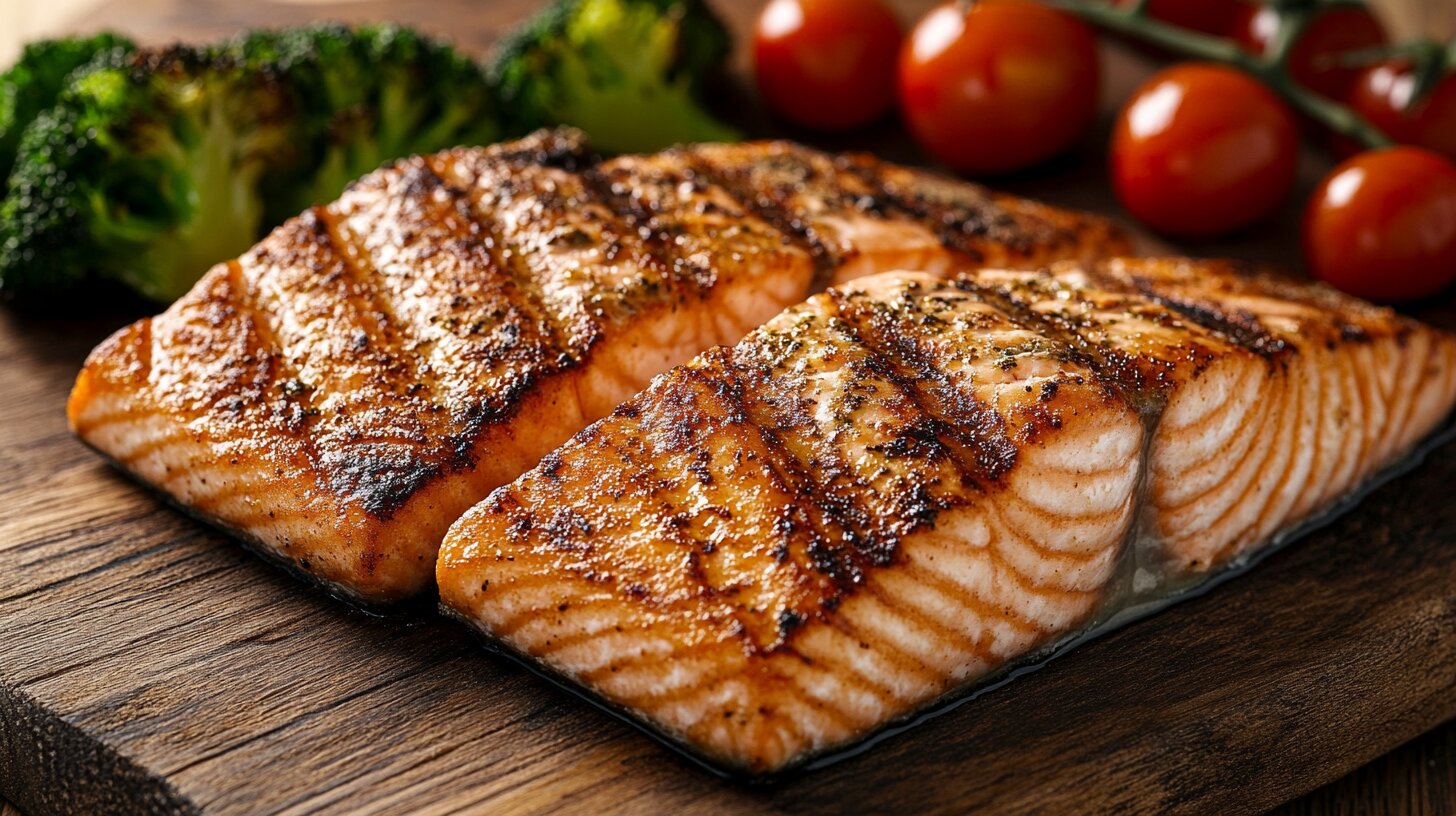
343 392
905 484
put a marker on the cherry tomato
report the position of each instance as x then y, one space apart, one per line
1382 95
998 85
1383 225
1202 149
827 64
1220 18
1313 60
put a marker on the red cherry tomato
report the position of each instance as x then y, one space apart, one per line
827 64
998 85
1383 225
1383 94
1202 149
1313 61
1221 18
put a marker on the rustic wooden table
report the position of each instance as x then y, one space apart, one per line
1419 778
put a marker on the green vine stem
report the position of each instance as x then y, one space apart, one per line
1132 20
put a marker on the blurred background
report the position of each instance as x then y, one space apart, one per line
22 20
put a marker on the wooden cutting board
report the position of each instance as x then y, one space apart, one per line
148 664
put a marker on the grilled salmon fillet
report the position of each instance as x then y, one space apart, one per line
344 391
905 484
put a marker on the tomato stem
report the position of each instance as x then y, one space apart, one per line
1271 67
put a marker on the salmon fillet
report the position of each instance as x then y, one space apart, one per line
905 484
344 391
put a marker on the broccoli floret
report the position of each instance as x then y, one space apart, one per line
630 73
388 92
146 171
33 83
154 166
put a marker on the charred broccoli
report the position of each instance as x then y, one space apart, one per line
34 82
154 165
628 72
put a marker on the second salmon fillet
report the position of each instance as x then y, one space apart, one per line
906 484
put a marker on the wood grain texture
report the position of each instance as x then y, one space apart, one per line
1418 779
147 663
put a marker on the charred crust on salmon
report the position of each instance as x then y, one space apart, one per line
387 360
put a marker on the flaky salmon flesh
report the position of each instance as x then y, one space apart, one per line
905 484
342 393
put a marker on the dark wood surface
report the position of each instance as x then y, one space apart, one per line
146 662
1418 779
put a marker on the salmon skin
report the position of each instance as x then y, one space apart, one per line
905 484
343 392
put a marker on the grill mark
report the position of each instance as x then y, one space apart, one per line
378 485
884 367
1114 369
973 432
1068 604
391 483
370 300
376 478
526 349
786 475
279 368
1241 327
573 343
801 491
833 483
958 227
770 205
618 194
532 300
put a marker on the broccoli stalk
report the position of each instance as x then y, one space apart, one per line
153 166
630 73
